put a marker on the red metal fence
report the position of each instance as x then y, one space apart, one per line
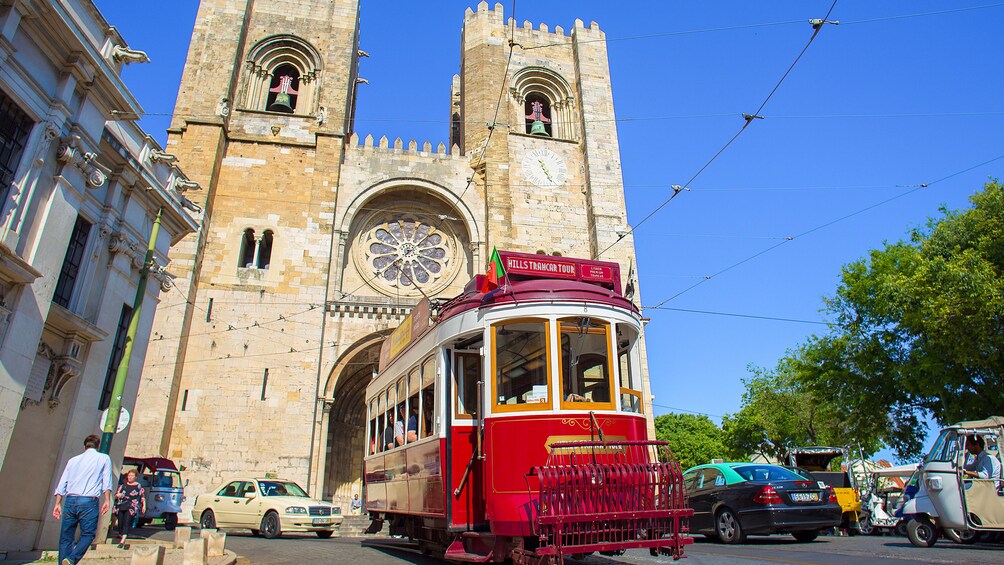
609 496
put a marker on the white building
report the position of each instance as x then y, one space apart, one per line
80 186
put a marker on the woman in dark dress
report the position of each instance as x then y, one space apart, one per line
129 503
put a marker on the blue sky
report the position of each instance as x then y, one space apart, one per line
899 94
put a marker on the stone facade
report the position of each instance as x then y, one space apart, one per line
260 365
80 192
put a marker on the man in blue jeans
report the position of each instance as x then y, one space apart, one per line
82 494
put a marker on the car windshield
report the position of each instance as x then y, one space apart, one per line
280 488
767 473
166 479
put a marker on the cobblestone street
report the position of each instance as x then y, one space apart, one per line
859 550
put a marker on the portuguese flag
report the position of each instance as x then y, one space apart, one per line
493 273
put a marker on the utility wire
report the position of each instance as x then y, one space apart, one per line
748 119
734 315
675 409
824 225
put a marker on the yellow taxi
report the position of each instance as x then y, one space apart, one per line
268 507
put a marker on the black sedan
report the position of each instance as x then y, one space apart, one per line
733 500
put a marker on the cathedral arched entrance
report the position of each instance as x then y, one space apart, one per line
345 433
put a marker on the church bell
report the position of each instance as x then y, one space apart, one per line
281 104
537 128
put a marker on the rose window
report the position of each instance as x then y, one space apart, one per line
407 253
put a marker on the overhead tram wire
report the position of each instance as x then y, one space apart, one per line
735 315
822 226
817 26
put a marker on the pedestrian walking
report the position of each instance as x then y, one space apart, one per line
82 494
130 502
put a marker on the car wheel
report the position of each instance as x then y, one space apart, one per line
324 534
170 521
270 528
208 520
728 528
921 532
865 527
805 536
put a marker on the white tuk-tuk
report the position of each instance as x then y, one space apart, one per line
957 501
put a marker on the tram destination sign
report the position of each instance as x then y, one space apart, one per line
525 265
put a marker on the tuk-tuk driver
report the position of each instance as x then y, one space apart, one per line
983 465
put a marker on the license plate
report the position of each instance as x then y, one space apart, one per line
322 521
805 496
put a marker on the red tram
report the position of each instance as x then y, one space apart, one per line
510 424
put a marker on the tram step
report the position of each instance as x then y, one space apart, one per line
457 552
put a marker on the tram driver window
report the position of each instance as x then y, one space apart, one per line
585 360
630 382
521 363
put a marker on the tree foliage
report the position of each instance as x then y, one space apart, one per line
779 413
693 439
918 329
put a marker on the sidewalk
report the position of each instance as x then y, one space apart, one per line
110 554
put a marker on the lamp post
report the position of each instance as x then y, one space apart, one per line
115 406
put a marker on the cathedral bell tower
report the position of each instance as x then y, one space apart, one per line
261 121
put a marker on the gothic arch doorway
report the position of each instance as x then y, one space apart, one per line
345 433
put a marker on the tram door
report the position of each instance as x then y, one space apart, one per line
468 506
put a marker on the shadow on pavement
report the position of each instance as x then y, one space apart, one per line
400 549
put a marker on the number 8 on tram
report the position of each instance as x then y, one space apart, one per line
510 424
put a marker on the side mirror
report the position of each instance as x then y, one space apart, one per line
249 495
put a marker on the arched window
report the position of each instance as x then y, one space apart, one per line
283 91
265 250
538 115
263 85
248 244
545 103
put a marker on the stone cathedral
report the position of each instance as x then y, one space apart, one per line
316 240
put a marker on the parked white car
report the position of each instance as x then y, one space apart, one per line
268 507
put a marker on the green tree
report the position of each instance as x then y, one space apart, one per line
919 329
779 413
693 439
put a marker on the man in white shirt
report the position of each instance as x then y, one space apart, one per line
983 465
86 479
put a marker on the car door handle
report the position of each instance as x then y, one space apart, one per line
237 502
216 500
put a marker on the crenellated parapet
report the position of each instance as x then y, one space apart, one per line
383 145
528 34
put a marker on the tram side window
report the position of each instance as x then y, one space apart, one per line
388 421
414 387
373 427
521 363
428 397
585 360
630 381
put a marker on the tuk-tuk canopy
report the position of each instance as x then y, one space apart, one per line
897 471
991 422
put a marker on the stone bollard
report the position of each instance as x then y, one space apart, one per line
204 534
147 555
181 536
216 544
195 552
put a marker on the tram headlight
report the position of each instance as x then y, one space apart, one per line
296 510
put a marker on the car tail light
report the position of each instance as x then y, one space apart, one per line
832 494
767 495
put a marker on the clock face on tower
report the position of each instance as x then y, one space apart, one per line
544 167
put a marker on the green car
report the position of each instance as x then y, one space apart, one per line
733 500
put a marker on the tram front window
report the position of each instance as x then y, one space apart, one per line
521 363
585 360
